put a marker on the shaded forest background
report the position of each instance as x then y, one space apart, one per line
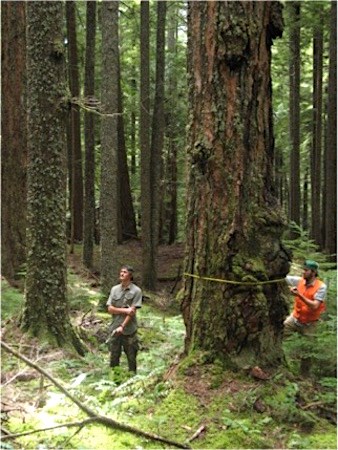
304 117
129 205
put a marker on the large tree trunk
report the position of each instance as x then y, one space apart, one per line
316 153
109 201
14 138
75 129
89 129
234 226
331 152
46 311
294 73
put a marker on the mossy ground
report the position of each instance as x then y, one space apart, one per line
170 396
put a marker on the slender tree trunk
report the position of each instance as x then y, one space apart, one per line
133 128
14 138
331 154
76 175
158 125
279 176
294 69
171 178
109 201
89 125
157 134
46 311
316 154
148 251
305 221
234 226
127 222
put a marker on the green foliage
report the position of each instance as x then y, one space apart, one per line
321 349
303 247
11 301
168 407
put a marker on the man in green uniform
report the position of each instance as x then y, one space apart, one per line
124 299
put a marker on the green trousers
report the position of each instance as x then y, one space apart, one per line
130 346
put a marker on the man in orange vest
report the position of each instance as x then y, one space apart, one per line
310 293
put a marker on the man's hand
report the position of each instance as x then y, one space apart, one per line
119 330
294 290
131 311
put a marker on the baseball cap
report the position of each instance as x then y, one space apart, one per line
310 264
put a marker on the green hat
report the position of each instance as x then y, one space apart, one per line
309 264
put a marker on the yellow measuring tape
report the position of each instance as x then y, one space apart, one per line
242 283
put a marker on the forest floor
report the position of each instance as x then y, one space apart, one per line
189 402
169 262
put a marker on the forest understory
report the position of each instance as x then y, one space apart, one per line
174 402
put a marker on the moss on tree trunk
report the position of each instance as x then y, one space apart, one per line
46 313
234 224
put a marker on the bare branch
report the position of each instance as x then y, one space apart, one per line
70 424
92 106
103 420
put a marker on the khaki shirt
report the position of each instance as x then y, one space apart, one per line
124 298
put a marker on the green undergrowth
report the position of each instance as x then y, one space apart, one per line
172 397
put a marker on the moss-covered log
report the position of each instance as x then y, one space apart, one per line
234 224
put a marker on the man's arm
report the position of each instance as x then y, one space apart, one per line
127 319
312 304
292 280
130 311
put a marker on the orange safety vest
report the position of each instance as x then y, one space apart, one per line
301 311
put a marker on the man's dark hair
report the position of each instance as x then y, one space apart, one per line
129 268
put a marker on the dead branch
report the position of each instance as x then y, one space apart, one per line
85 314
92 106
65 425
103 420
197 433
311 405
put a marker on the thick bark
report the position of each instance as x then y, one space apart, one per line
89 129
316 153
294 100
109 201
234 226
76 200
14 138
331 153
46 311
